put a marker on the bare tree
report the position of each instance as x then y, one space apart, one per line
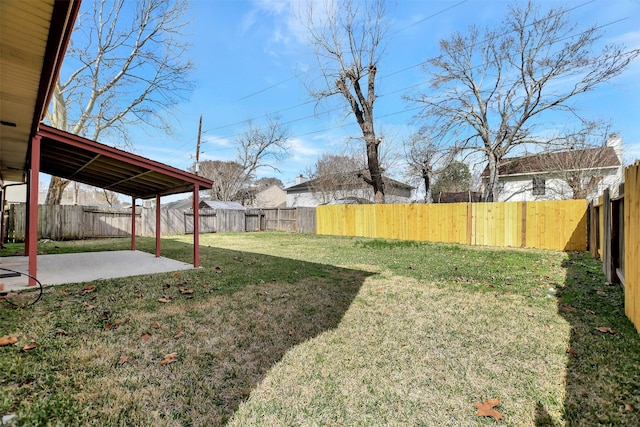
333 173
580 159
126 65
494 88
257 148
229 177
426 158
347 38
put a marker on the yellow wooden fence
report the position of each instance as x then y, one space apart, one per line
546 225
632 243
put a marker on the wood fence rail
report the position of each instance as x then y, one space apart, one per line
65 222
558 225
614 237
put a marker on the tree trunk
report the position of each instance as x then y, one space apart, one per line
426 176
56 188
374 169
491 192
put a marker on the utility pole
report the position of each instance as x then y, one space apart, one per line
198 147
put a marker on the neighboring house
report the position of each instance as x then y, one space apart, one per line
345 186
562 175
270 197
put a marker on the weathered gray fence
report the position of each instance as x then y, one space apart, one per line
82 222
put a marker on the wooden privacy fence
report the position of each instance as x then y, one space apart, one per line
614 237
546 225
65 222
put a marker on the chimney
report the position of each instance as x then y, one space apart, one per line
300 179
614 141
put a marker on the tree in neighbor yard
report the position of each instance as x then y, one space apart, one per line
492 90
332 172
347 37
426 158
577 157
453 178
256 148
126 66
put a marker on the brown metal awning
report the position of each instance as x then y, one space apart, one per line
34 36
79 159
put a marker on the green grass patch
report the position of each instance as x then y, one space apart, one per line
286 329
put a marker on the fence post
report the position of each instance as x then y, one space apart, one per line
523 237
607 258
469 223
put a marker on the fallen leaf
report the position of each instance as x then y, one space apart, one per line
566 307
179 335
485 409
166 286
601 292
109 326
123 359
606 330
184 291
176 275
164 300
628 407
8 340
61 332
155 325
87 289
292 332
139 296
217 270
30 346
169 358
145 337
570 352
90 307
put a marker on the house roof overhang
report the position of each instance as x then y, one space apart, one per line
79 159
33 38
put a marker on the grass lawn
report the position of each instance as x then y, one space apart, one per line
285 329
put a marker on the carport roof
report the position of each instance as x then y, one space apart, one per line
79 159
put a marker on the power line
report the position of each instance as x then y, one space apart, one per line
404 88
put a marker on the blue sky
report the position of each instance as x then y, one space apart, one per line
251 61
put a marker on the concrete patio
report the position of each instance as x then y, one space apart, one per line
86 267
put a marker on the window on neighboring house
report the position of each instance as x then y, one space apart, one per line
538 186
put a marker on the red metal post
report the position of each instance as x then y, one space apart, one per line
157 225
196 226
133 223
31 246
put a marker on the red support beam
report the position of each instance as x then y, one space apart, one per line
157 226
196 226
133 223
31 242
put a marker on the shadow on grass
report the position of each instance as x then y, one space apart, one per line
247 312
603 369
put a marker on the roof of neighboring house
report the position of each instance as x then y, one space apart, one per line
464 196
602 157
179 204
219 204
347 179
